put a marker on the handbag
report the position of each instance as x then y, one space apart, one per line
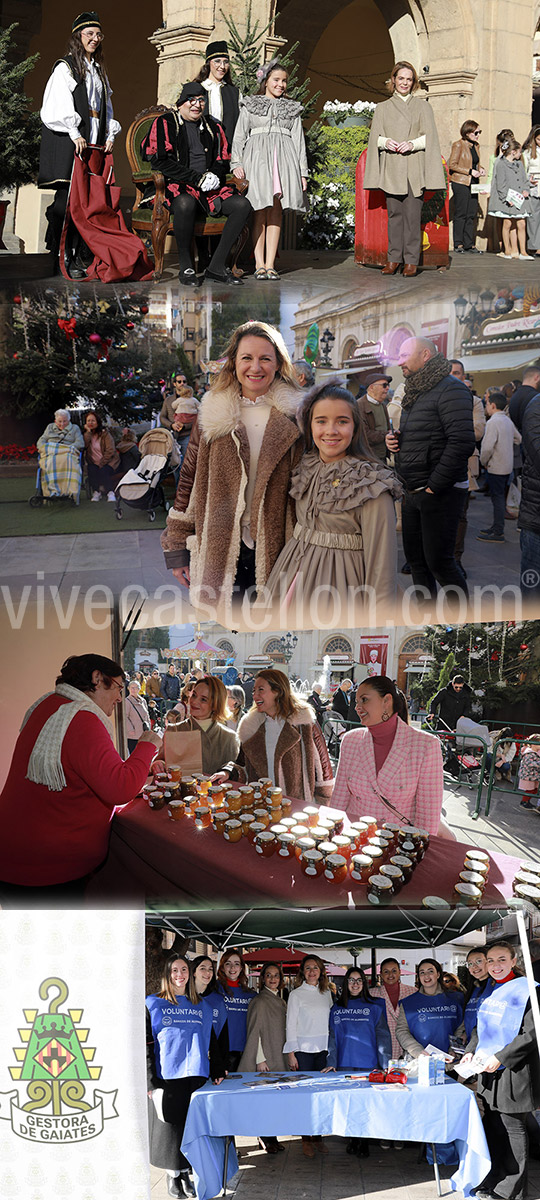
183 748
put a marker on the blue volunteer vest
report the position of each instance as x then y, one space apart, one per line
237 1002
355 1032
500 1017
218 1008
478 996
181 1037
432 1019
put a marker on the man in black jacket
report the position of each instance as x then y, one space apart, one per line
452 702
435 441
342 697
529 511
192 154
530 386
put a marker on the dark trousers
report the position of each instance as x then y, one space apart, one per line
462 530
101 478
404 233
497 490
465 211
185 209
245 571
429 526
507 1139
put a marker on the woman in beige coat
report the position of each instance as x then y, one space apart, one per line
403 158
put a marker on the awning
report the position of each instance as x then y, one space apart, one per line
500 359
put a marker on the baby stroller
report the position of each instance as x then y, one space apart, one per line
142 486
463 751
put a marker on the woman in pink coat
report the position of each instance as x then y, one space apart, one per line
388 768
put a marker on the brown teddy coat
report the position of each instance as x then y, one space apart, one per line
301 767
207 513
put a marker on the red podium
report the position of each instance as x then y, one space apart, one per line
371 225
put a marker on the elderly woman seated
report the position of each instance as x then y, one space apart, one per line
59 449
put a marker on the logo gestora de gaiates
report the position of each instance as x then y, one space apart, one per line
55 1064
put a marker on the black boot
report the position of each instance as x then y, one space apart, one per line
173 1187
186 1184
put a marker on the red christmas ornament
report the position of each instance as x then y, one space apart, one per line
17 299
15 355
523 646
494 656
130 325
161 382
144 309
95 338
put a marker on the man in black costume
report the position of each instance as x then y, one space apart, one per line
191 152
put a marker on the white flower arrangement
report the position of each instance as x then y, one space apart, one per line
346 109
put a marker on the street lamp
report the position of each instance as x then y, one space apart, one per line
327 341
472 312
287 646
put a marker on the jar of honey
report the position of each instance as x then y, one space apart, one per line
286 806
261 815
303 843
219 820
279 828
326 848
344 844
359 832
404 863
312 862
286 844
311 814
246 819
202 817
263 784
215 796
473 877
247 793
468 894
175 773
191 803
232 830
337 817
253 829
265 843
204 783
176 810
275 795
394 874
361 867
235 802
379 889
155 799
371 825
188 787
300 831
335 868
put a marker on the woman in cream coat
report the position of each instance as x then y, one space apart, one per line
403 159
388 768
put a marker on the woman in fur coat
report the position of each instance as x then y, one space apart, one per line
232 513
281 740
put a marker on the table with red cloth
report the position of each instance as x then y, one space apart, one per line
153 856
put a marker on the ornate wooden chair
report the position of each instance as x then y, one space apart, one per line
153 222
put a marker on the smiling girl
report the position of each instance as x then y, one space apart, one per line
509 1083
343 549
275 163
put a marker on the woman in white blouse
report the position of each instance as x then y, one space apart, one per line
308 1017
76 112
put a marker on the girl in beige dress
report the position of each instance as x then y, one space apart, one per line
342 558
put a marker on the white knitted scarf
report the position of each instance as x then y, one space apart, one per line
45 762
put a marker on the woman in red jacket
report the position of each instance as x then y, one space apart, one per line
65 781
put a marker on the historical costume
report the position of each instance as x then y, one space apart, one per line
269 144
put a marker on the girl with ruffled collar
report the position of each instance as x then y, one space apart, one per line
275 164
342 557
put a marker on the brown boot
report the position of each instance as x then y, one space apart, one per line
390 268
308 1148
409 269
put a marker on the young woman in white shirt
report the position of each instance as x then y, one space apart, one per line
308 1017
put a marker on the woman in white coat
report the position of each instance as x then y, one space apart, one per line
388 768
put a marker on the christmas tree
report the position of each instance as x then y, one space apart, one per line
21 128
76 348
498 661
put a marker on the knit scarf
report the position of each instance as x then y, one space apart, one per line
428 377
45 762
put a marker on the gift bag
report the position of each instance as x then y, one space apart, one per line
183 748
513 499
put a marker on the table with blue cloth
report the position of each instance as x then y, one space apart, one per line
330 1104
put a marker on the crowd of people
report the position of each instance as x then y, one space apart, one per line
203 1024
222 154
